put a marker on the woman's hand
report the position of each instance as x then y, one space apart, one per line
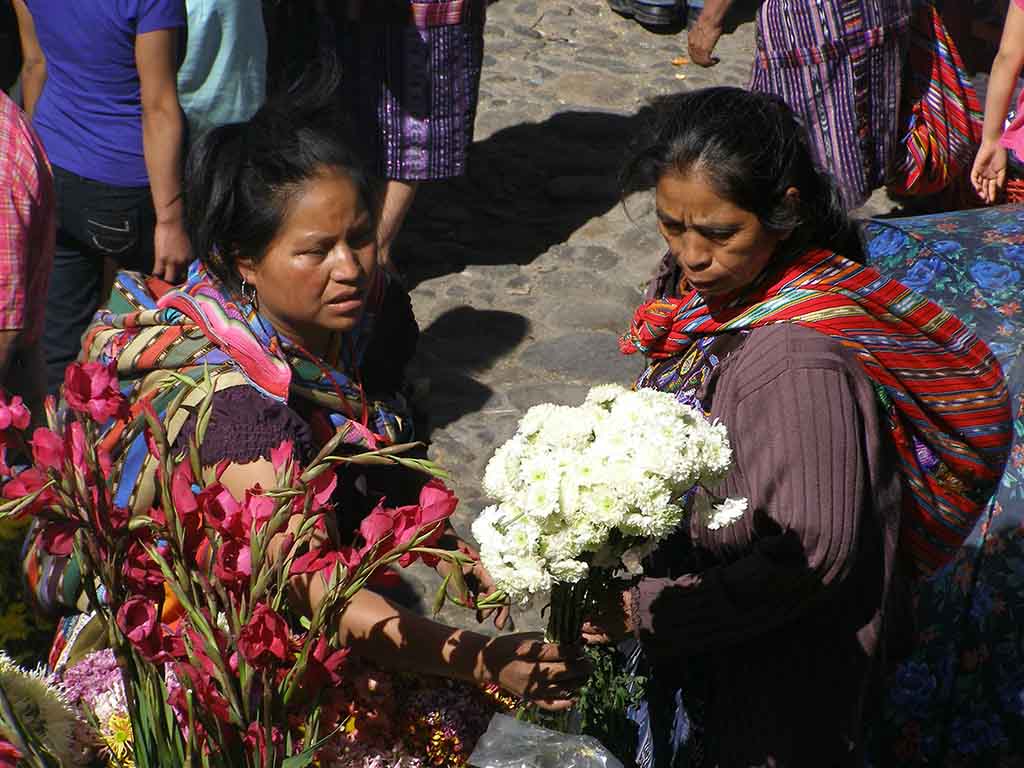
172 252
611 622
701 40
479 582
988 176
523 664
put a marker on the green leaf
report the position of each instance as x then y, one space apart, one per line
442 594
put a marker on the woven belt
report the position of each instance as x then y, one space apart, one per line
422 15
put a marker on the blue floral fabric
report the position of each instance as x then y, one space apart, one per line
959 700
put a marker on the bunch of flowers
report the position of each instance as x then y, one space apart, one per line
585 491
219 666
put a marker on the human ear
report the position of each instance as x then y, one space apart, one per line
792 200
247 272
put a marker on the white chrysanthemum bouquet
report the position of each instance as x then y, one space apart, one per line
584 492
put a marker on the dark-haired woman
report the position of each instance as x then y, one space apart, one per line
280 310
868 427
839 65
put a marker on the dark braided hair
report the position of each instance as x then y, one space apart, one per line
752 149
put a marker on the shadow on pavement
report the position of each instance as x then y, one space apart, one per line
529 187
458 343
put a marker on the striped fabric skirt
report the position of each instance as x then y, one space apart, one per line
839 66
412 88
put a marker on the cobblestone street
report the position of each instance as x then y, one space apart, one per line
524 272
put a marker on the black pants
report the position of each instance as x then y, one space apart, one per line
95 222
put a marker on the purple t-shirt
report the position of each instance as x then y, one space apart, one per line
89 115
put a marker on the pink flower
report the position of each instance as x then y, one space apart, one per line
47 449
323 559
323 486
436 505
25 484
139 620
256 741
324 665
142 573
222 512
91 389
9 755
264 638
377 525
204 692
74 446
58 538
281 455
258 508
233 565
14 414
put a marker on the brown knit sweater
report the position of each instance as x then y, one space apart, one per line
791 611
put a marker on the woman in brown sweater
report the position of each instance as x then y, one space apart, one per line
778 626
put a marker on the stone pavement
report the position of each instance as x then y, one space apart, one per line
524 271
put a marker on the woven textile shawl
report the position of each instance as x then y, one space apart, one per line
942 391
196 328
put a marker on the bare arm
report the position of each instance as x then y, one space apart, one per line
381 631
163 134
703 36
989 172
33 67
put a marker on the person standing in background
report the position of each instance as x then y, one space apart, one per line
990 165
223 78
411 82
98 81
27 228
838 64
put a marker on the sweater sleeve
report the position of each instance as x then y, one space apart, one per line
246 426
798 438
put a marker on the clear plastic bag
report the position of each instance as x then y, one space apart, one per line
510 743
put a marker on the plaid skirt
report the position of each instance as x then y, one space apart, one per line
412 89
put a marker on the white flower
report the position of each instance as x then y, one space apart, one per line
726 513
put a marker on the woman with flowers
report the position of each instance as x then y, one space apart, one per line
278 314
868 427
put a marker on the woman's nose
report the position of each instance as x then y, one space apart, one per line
345 266
691 254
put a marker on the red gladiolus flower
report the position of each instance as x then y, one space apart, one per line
325 665
256 740
74 446
9 755
233 565
258 508
14 413
91 389
27 483
437 503
323 486
281 455
58 538
141 572
264 638
47 449
377 525
222 512
204 693
323 559
139 620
